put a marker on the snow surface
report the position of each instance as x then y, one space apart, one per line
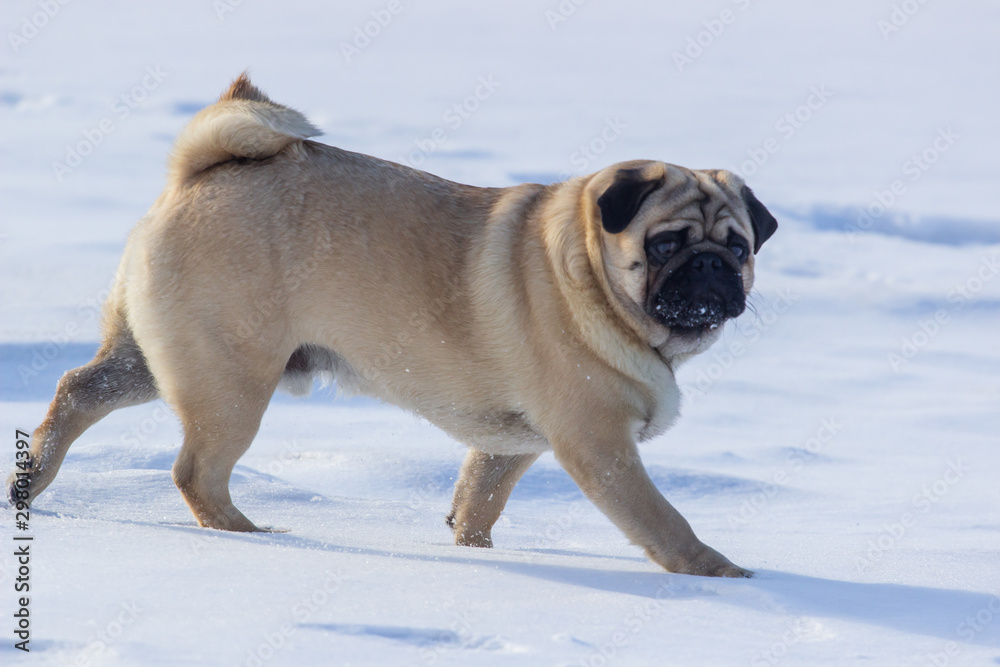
803 447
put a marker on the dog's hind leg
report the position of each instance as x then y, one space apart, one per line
220 395
482 490
117 377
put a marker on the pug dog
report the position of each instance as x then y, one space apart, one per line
519 320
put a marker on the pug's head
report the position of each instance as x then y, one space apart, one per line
677 247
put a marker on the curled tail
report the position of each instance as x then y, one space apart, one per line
244 123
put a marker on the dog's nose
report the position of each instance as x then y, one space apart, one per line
706 263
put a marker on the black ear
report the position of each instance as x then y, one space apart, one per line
764 224
621 201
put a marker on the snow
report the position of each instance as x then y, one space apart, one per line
841 439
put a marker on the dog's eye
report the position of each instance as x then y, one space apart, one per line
664 246
738 246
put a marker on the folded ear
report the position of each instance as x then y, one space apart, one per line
621 201
764 224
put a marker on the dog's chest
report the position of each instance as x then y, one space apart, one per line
662 410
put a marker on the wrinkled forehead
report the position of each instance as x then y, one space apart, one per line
709 200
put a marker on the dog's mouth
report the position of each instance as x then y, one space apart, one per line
686 315
699 295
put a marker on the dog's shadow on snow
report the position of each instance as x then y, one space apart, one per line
950 615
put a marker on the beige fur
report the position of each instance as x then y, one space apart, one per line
507 317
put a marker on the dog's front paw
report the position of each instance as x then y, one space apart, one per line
703 561
733 572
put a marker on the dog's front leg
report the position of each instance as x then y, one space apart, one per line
611 474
